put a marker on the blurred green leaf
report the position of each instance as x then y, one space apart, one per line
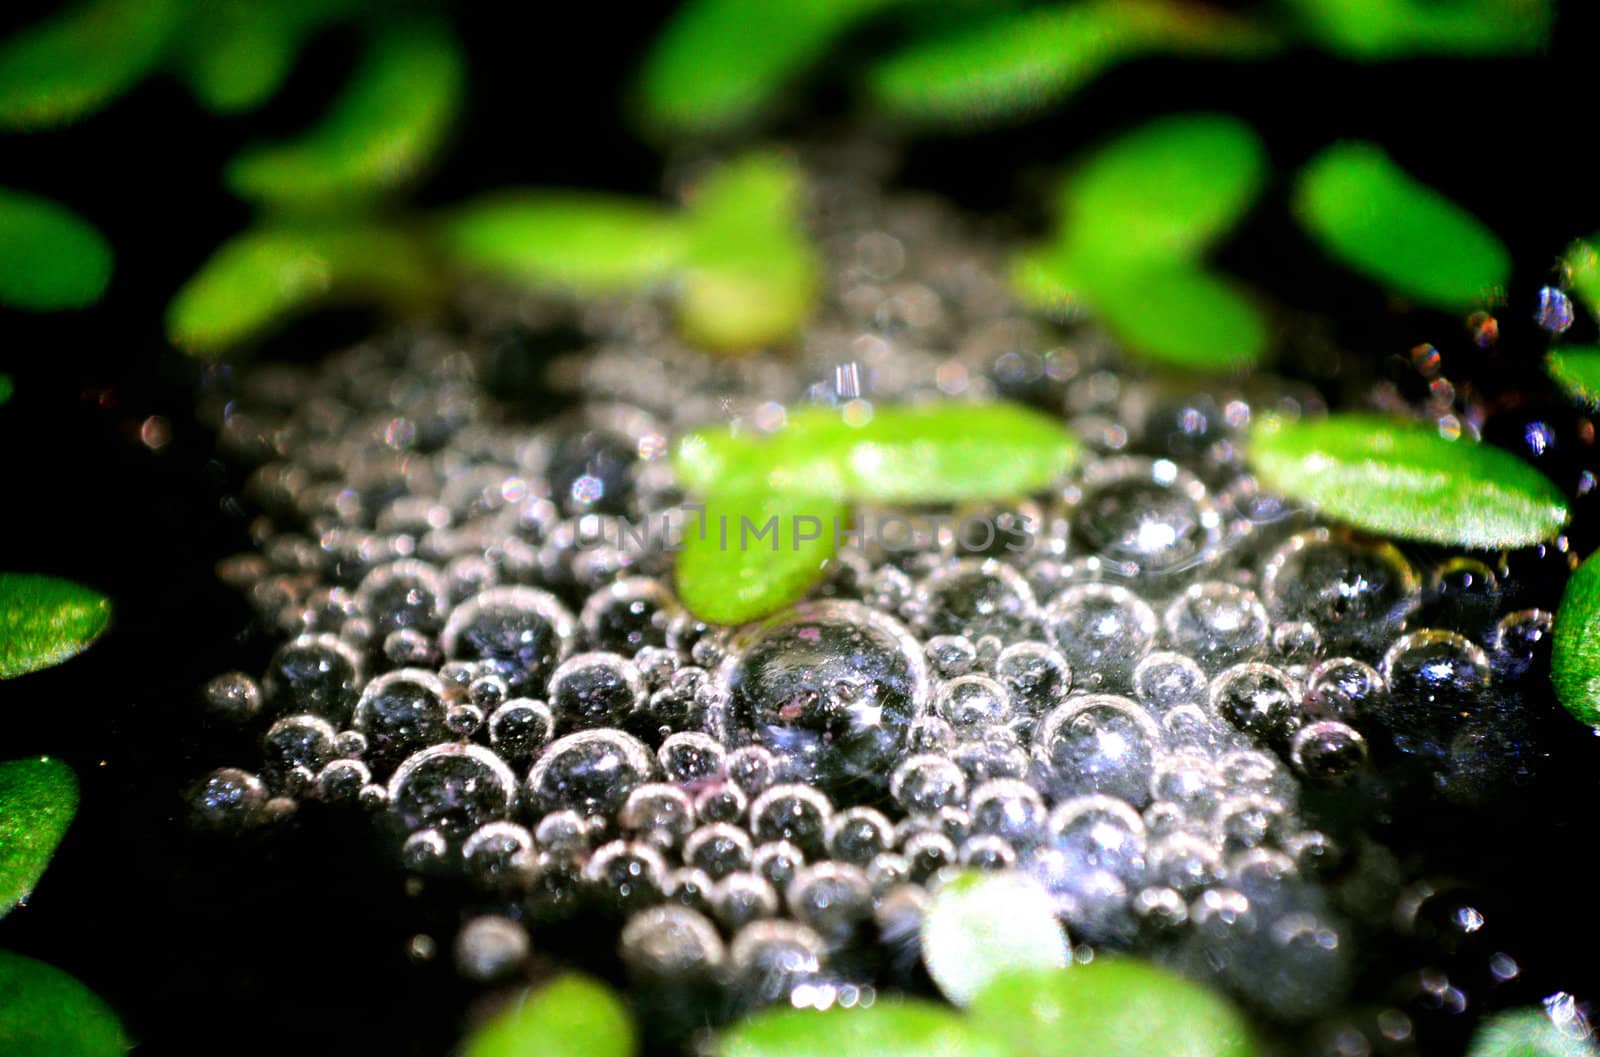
44 621
1575 647
1022 63
258 278
983 925
888 1028
236 54
6 388
38 797
1403 479
1110 1007
575 240
1582 268
1576 369
1528 1033
1180 316
1372 216
386 125
572 1016
78 60
50 258
1377 30
46 1013
750 554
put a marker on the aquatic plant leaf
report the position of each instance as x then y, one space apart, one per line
912 454
75 62
1110 1007
44 621
1378 30
236 54
1527 1033
1582 268
1575 647
7 387
567 239
888 1028
50 258
47 1013
748 554
572 1016
257 279
383 129
38 797
1370 215
983 925
1403 479
718 63
1576 369
751 276
1022 63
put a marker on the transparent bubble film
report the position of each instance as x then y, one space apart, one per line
1162 707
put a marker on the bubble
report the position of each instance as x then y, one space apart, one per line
1102 630
1188 781
314 673
1435 678
1249 821
769 958
830 686
521 727
719 849
1147 515
405 595
591 772
228 798
1259 700
926 783
1185 863
595 690
669 943
1098 743
792 812
454 788
407 648
1037 677
628 615
753 768
233 696
1328 751
721 801
1355 593
400 712
690 758
857 834
1217 624
1344 688
833 898
1011 810
521 631
425 851
626 875
1521 641
341 781
974 597
1555 310
1165 680
740 898
777 861
972 702
490 947
930 734
994 753
499 855
298 741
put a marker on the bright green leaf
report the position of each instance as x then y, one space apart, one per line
1403 479
44 621
79 60
1527 1033
1582 267
258 278
50 258
1576 369
1022 63
235 54
1370 215
1110 1007
572 1016
1575 647
38 797
750 554
382 130
566 239
1381 30
983 925
888 1028
916 454
46 1013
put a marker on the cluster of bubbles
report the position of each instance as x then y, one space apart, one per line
1133 710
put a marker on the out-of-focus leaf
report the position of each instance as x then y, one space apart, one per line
1403 479
572 1016
44 621
576 240
719 62
1575 648
888 1028
1377 30
1180 316
750 554
257 279
46 1013
1022 63
50 258
235 54
983 925
1582 267
382 130
1372 216
1576 369
1528 1033
38 797
6 388
77 61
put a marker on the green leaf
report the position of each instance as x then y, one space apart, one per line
50 258
750 554
888 1028
1403 479
1023 63
236 54
262 276
918 454
1582 268
569 239
44 621
1110 1007
46 1013
572 1016
718 63
6 388
77 61
382 130
981 926
1527 1033
38 798
1575 646
1380 30
1370 215
1576 369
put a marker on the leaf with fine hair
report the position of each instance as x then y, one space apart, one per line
45 620
38 797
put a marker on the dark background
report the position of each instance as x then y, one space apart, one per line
296 946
